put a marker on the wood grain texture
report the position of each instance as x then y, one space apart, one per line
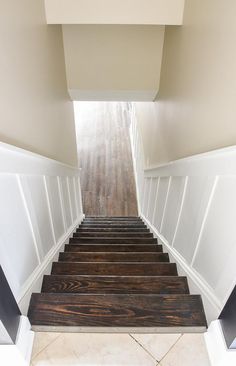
102 240
113 257
115 284
112 234
112 226
112 230
120 221
113 219
124 217
113 248
116 310
115 269
104 153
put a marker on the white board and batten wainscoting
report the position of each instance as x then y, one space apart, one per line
190 205
40 208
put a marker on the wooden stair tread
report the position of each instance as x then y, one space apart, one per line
115 284
114 268
116 310
114 257
112 230
120 223
113 248
103 240
112 217
113 234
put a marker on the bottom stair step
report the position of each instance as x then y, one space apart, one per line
163 312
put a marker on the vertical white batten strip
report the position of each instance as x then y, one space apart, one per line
76 198
62 204
180 210
28 217
164 210
155 202
49 210
80 195
143 195
69 196
204 219
149 194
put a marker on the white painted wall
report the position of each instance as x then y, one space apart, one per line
190 204
40 207
114 11
113 62
195 109
35 111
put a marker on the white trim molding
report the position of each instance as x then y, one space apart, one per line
40 208
218 352
190 206
34 282
209 298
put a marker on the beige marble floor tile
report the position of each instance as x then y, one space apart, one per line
190 350
94 350
42 340
157 344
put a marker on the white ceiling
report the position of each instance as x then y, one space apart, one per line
156 12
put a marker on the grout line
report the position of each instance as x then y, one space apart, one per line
171 348
43 349
149 353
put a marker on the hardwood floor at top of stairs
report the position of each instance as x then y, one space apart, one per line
104 154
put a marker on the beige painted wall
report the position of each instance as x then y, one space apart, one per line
113 62
114 11
35 111
196 107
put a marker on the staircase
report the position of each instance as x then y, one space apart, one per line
113 276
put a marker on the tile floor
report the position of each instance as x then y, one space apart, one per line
63 349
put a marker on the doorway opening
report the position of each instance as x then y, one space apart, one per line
105 158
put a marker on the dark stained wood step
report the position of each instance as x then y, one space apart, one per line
85 310
112 218
102 240
113 257
114 234
116 269
118 223
106 222
113 248
112 225
115 284
113 230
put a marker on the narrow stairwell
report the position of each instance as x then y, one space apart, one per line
113 276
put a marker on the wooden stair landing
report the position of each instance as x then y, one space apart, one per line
114 277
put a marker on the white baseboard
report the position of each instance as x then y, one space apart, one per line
19 354
217 349
196 282
34 282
